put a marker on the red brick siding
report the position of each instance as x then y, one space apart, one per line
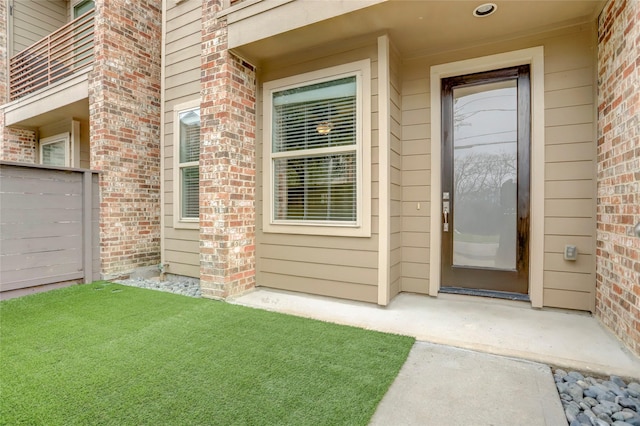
18 145
227 163
124 99
618 250
4 58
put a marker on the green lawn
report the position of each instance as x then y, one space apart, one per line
104 353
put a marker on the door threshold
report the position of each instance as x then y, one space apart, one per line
485 293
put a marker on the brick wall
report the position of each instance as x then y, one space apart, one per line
227 163
4 58
18 145
124 99
618 250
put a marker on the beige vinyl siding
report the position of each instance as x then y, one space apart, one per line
416 180
570 152
182 83
344 267
395 227
33 20
570 171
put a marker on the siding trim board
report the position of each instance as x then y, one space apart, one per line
384 151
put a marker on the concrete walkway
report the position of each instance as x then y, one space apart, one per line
477 361
561 338
441 385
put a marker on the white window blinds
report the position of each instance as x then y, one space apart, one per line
189 167
314 152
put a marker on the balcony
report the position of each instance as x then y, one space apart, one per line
54 58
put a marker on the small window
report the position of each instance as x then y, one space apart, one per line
187 178
314 150
54 150
81 7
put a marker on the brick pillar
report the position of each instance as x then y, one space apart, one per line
4 58
124 109
618 250
15 145
227 164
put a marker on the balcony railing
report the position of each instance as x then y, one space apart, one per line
60 54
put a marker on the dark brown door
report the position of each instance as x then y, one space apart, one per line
485 182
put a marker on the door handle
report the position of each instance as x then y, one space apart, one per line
445 212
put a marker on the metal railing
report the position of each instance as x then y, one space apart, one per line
60 54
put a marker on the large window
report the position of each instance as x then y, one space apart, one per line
187 154
314 151
54 150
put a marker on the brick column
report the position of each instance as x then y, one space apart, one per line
4 58
618 250
15 145
227 163
124 109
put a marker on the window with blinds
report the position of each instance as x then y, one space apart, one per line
55 150
314 152
188 164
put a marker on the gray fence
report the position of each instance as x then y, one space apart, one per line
48 228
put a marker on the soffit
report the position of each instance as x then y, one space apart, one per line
418 28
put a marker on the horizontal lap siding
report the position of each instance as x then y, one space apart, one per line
395 243
569 181
344 267
416 179
182 84
570 186
34 20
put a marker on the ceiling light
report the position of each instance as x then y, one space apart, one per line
324 127
485 10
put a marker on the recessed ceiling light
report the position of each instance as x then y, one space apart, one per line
485 10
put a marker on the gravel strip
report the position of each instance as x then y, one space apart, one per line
588 401
174 284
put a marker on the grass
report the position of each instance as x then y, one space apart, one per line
108 354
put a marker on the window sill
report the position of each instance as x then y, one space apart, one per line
333 230
184 224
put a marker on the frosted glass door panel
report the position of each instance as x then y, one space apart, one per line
485 151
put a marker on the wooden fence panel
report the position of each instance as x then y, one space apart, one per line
48 227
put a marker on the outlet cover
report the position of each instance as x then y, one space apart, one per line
570 252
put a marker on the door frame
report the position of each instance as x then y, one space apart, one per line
535 58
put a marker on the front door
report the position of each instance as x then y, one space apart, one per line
485 181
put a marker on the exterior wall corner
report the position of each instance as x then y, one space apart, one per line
618 159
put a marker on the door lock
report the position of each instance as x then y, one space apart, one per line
445 212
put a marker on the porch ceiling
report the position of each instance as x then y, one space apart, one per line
421 27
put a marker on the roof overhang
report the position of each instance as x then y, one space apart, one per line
262 30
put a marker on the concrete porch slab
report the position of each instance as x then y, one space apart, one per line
567 339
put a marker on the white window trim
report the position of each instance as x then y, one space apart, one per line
533 56
178 221
61 137
362 227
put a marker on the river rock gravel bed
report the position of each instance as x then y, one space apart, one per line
173 284
589 401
